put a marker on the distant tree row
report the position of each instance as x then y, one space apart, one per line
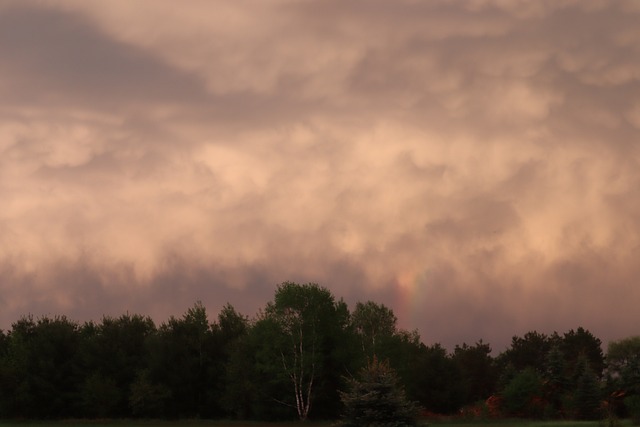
295 359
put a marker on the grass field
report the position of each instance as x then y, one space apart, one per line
159 423
156 423
217 423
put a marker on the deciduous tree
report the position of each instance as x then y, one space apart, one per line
374 324
623 364
181 360
305 317
478 370
522 396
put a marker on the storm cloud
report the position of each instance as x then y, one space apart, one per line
473 165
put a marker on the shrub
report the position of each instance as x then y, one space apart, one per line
633 406
522 395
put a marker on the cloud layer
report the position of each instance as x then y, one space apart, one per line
473 165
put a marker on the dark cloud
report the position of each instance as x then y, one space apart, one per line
472 165
55 58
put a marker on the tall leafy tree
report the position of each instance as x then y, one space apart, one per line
374 324
338 358
477 369
242 381
113 353
181 361
302 318
229 331
4 343
436 381
4 370
231 325
44 354
259 366
529 351
404 352
16 399
579 343
623 364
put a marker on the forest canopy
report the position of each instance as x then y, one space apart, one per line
294 359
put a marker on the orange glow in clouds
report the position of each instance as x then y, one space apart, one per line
472 165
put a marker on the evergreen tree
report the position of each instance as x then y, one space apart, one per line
587 395
377 399
478 371
579 344
556 381
529 351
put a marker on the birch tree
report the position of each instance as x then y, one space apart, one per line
305 316
373 323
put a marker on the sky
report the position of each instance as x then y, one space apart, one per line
473 165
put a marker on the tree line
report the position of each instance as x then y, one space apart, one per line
294 359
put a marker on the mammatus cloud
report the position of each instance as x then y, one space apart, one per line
473 165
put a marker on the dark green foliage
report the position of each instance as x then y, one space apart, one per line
555 370
256 381
529 351
148 399
377 335
374 325
4 343
556 382
376 398
99 396
231 326
41 368
522 395
478 371
112 353
302 346
338 359
632 403
568 390
303 326
588 395
582 343
180 360
241 381
434 380
623 364
231 376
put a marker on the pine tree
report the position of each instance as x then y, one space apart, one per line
588 394
555 379
377 399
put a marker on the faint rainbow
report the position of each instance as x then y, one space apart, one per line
408 299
